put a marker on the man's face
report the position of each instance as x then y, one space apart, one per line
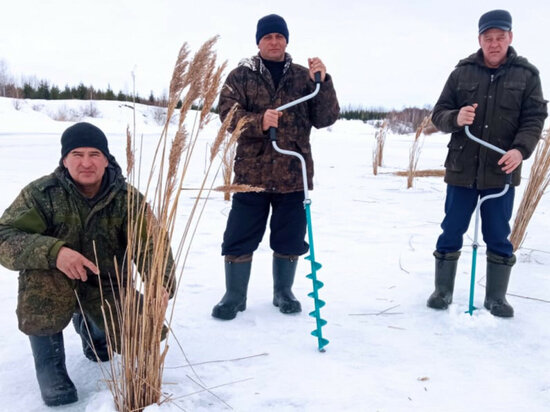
272 47
86 165
494 44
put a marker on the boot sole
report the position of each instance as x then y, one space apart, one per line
63 399
219 313
288 307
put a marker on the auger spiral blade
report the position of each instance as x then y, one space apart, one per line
318 303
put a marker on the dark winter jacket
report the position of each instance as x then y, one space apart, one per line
251 87
510 115
50 213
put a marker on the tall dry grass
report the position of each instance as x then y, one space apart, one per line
539 178
414 151
139 321
378 154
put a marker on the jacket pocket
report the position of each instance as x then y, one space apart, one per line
456 147
512 95
467 93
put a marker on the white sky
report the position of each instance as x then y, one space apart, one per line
390 53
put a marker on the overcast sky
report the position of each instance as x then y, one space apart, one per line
390 53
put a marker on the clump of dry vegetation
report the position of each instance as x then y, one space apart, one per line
378 153
140 331
539 178
414 152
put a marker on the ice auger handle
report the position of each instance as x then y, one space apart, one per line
317 76
273 130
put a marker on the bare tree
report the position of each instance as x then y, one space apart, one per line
5 78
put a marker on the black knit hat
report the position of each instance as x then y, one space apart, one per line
495 19
83 135
271 23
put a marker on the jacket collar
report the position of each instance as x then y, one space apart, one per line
256 64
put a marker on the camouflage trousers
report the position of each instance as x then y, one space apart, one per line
47 300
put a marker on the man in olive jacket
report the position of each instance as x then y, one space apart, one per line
52 233
257 86
498 95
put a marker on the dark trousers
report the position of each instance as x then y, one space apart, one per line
495 215
247 221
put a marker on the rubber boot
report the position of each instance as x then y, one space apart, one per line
49 360
94 341
284 269
445 273
237 275
498 276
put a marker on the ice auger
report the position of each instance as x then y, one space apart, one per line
475 244
315 266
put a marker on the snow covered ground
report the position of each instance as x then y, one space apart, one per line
374 238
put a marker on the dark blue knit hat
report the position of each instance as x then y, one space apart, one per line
495 19
271 23
83 135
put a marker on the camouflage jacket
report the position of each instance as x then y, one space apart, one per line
251 87
510 115
50 213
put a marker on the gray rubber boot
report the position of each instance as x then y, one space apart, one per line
498 276
56 387
284 270
445 273
237 275
94 341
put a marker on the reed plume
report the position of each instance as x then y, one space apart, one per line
539 178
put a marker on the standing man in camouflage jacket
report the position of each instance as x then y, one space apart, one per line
257 86
499 95
48 234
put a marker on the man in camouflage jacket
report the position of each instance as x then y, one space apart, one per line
498 95
52 233
256 87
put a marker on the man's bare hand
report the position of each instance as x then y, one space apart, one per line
316 65
271 119
466 115
74 265
510 161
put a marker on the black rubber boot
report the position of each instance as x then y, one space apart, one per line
284 269
445 273
93 338
498 276
49 360
237 275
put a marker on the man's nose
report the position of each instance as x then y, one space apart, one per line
86 161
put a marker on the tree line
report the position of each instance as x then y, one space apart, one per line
400 121
406 120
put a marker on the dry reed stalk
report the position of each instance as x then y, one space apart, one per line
227 171
226 144
233 188
378 154
135 325
539 178
414 152
422 173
